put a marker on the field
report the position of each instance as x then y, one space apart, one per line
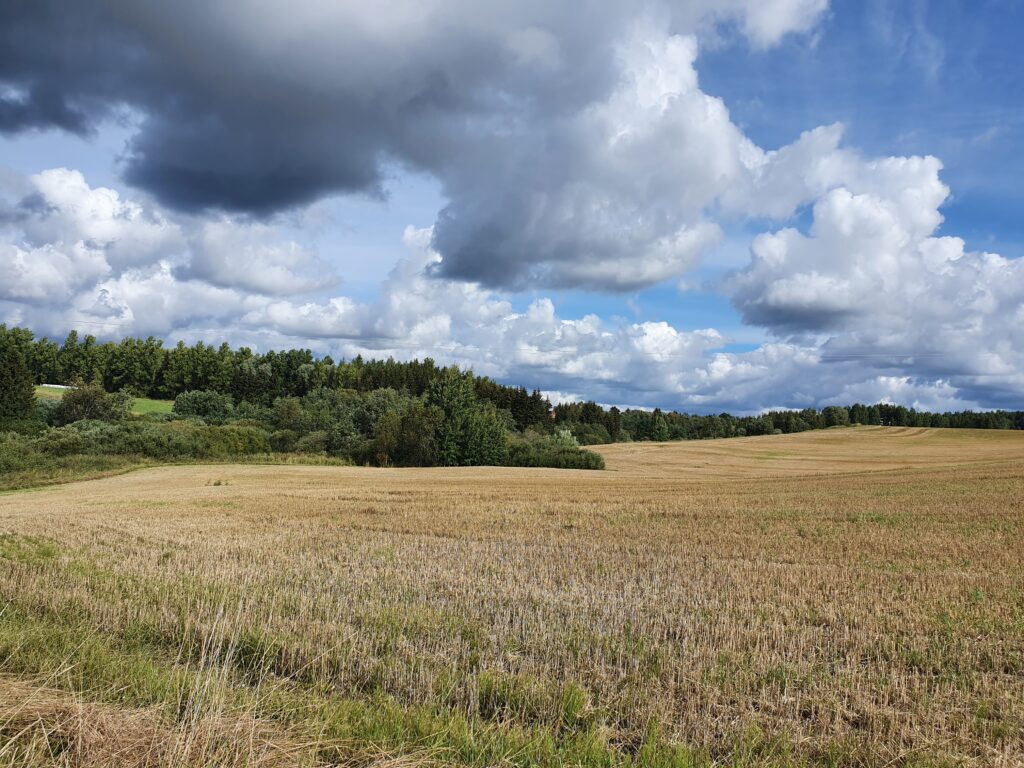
841 597
140 405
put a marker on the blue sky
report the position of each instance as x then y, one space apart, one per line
911 77
486 206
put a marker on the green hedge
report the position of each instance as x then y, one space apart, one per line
155 440
533 450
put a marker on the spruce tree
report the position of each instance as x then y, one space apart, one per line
17 392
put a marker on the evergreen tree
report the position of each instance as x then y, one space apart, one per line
17 392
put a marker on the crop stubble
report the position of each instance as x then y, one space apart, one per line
855 593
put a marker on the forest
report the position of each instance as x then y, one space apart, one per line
234 402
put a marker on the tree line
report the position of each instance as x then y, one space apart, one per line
262 387
145 368
592 424
233 403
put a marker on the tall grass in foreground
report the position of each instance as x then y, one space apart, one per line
196 719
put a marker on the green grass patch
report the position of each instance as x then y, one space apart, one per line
140 405
143 405
50 393
67 469
26 549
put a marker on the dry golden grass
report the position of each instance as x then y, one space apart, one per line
42 726
845 597
828 451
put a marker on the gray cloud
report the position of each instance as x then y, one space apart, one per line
571 139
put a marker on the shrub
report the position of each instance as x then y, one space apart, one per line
91 401
323 408
591 434
212 407
16 453
288 413
63 441
407 438
183 440
284 440
533 450
155 440
360 451
45 411
468 432
484 436
36 422
314 442
249 423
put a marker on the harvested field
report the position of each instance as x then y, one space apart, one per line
850 596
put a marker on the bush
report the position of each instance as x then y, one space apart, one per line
63 441
314 442
288 413
155 440
384 427
284 440
407 438
212 407
468 432
484 438
181 440
532 450
45 411
323 408
39 419
591 434
91 401
16 453
564 438
253 412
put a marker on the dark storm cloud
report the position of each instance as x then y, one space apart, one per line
211 135
20 112
65 65
240 118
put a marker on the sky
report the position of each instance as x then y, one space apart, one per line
700 205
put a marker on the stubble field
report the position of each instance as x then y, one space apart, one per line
851 596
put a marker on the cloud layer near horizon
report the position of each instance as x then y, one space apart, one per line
184 281
575 149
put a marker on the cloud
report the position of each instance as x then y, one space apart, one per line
48 274
255 257
766 22
869 304
63 208
149 301
571 139
71 234
612 197
875 283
